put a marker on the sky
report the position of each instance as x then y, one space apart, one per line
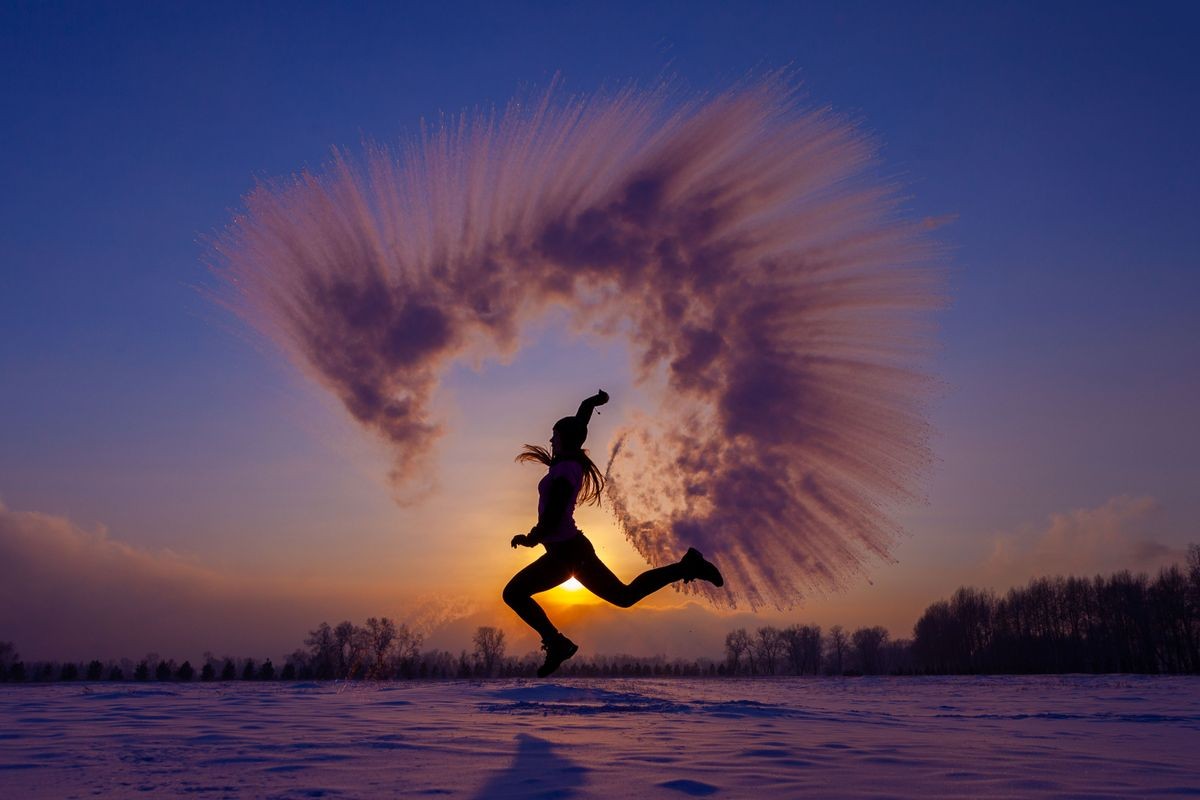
161 463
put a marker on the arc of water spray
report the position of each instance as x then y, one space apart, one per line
776 299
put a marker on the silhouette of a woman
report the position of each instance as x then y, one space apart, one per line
572 477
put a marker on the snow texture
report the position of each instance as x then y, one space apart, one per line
1114 736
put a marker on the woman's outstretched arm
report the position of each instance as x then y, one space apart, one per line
587 406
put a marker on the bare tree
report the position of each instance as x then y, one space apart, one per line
343 636
1172 619
1193 603
361 656
897 657
406 652
353 650
935 639
868 647
324 652
793 650
438 664
837 649
812 643
489 648
972 610
381 633
737 642
298 665
802 647
768 647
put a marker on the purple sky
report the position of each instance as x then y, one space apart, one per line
1061 143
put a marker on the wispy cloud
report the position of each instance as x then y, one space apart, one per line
69 592
1123 533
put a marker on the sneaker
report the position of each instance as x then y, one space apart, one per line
698 567
558 650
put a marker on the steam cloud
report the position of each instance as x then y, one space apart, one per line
776 300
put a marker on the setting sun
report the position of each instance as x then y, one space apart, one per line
568 595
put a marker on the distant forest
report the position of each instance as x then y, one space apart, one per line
1124 622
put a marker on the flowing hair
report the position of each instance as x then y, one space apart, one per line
593 479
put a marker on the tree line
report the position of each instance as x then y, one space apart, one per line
1124 622
806 650
379 650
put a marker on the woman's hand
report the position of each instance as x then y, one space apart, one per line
522 539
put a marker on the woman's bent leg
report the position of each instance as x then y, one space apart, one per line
543 574
601 581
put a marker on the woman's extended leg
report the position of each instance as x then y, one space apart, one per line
601 581
542 575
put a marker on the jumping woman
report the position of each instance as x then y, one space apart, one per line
572 477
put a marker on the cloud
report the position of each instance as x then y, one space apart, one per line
1123 533
775 300
68 592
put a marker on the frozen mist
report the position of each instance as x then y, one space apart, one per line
773 294
1062 736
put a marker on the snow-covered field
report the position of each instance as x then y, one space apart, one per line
1071 736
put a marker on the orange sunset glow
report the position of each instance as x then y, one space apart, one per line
599 400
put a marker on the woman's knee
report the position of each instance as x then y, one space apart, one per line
512 594
622 597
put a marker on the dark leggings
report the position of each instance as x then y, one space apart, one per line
577 558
